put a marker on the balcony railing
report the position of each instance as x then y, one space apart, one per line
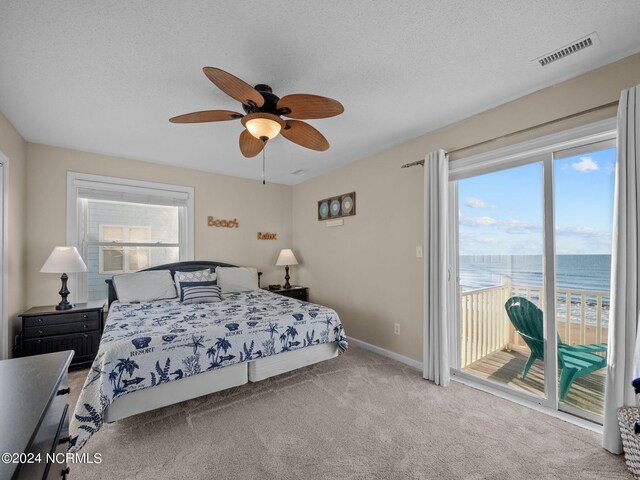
485 327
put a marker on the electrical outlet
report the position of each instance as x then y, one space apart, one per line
396 329
419 252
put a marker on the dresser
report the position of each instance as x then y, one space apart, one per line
46 330
34 417
299 293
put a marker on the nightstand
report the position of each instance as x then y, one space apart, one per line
299 293
46 330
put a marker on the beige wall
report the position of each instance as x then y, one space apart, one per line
264 208
367 269
14 148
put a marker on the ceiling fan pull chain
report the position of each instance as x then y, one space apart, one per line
263 176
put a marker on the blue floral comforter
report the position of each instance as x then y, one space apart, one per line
147 344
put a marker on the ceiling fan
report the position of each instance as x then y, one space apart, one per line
263 112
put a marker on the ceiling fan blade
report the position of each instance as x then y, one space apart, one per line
206 116
233 86
304 106
305 135
250 146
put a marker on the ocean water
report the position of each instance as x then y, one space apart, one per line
583 272
579 272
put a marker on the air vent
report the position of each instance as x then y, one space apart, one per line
580 44
298 172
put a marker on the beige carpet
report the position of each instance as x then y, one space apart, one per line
359 416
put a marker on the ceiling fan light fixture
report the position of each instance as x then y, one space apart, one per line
263 127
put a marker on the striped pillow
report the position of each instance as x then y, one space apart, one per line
196 283
199 292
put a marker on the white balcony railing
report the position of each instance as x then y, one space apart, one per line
485 327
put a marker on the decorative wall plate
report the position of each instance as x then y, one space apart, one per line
323 210
335 207
347 205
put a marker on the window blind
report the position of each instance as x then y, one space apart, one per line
94 190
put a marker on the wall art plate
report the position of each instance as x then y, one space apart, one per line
337 207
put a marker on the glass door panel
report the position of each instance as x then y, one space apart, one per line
583 211
500 260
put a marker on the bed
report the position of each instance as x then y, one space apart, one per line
155 354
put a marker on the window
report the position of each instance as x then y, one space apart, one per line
122 226
123 259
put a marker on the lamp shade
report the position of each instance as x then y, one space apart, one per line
286 257
64 260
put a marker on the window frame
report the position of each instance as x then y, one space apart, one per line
123 246
76 216
526 151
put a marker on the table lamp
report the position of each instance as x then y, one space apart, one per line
64 260
286 258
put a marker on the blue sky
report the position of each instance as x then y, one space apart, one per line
501 213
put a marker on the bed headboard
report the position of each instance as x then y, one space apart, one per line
174 267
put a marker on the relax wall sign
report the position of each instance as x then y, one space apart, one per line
216 222
267 236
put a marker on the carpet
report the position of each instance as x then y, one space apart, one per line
358 416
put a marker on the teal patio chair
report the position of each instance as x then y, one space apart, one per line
574 360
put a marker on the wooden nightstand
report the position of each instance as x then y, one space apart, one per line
46 330
299 293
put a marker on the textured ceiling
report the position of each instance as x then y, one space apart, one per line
105 76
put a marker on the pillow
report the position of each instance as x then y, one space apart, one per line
237 279
144 286
197 276
198 292
184 285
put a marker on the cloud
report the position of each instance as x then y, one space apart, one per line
588 232
471 238
516 226
477 203
508 226
586 164
577 230
594 239
528 248
488 238
472 244
577 240
478 221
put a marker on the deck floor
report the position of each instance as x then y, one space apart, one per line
587 392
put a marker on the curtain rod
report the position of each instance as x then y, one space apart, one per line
518 132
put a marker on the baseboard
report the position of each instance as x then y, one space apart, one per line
387 353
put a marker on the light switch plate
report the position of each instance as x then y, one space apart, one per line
419 252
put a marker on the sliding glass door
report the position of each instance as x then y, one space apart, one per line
532 256
583 210
500 246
